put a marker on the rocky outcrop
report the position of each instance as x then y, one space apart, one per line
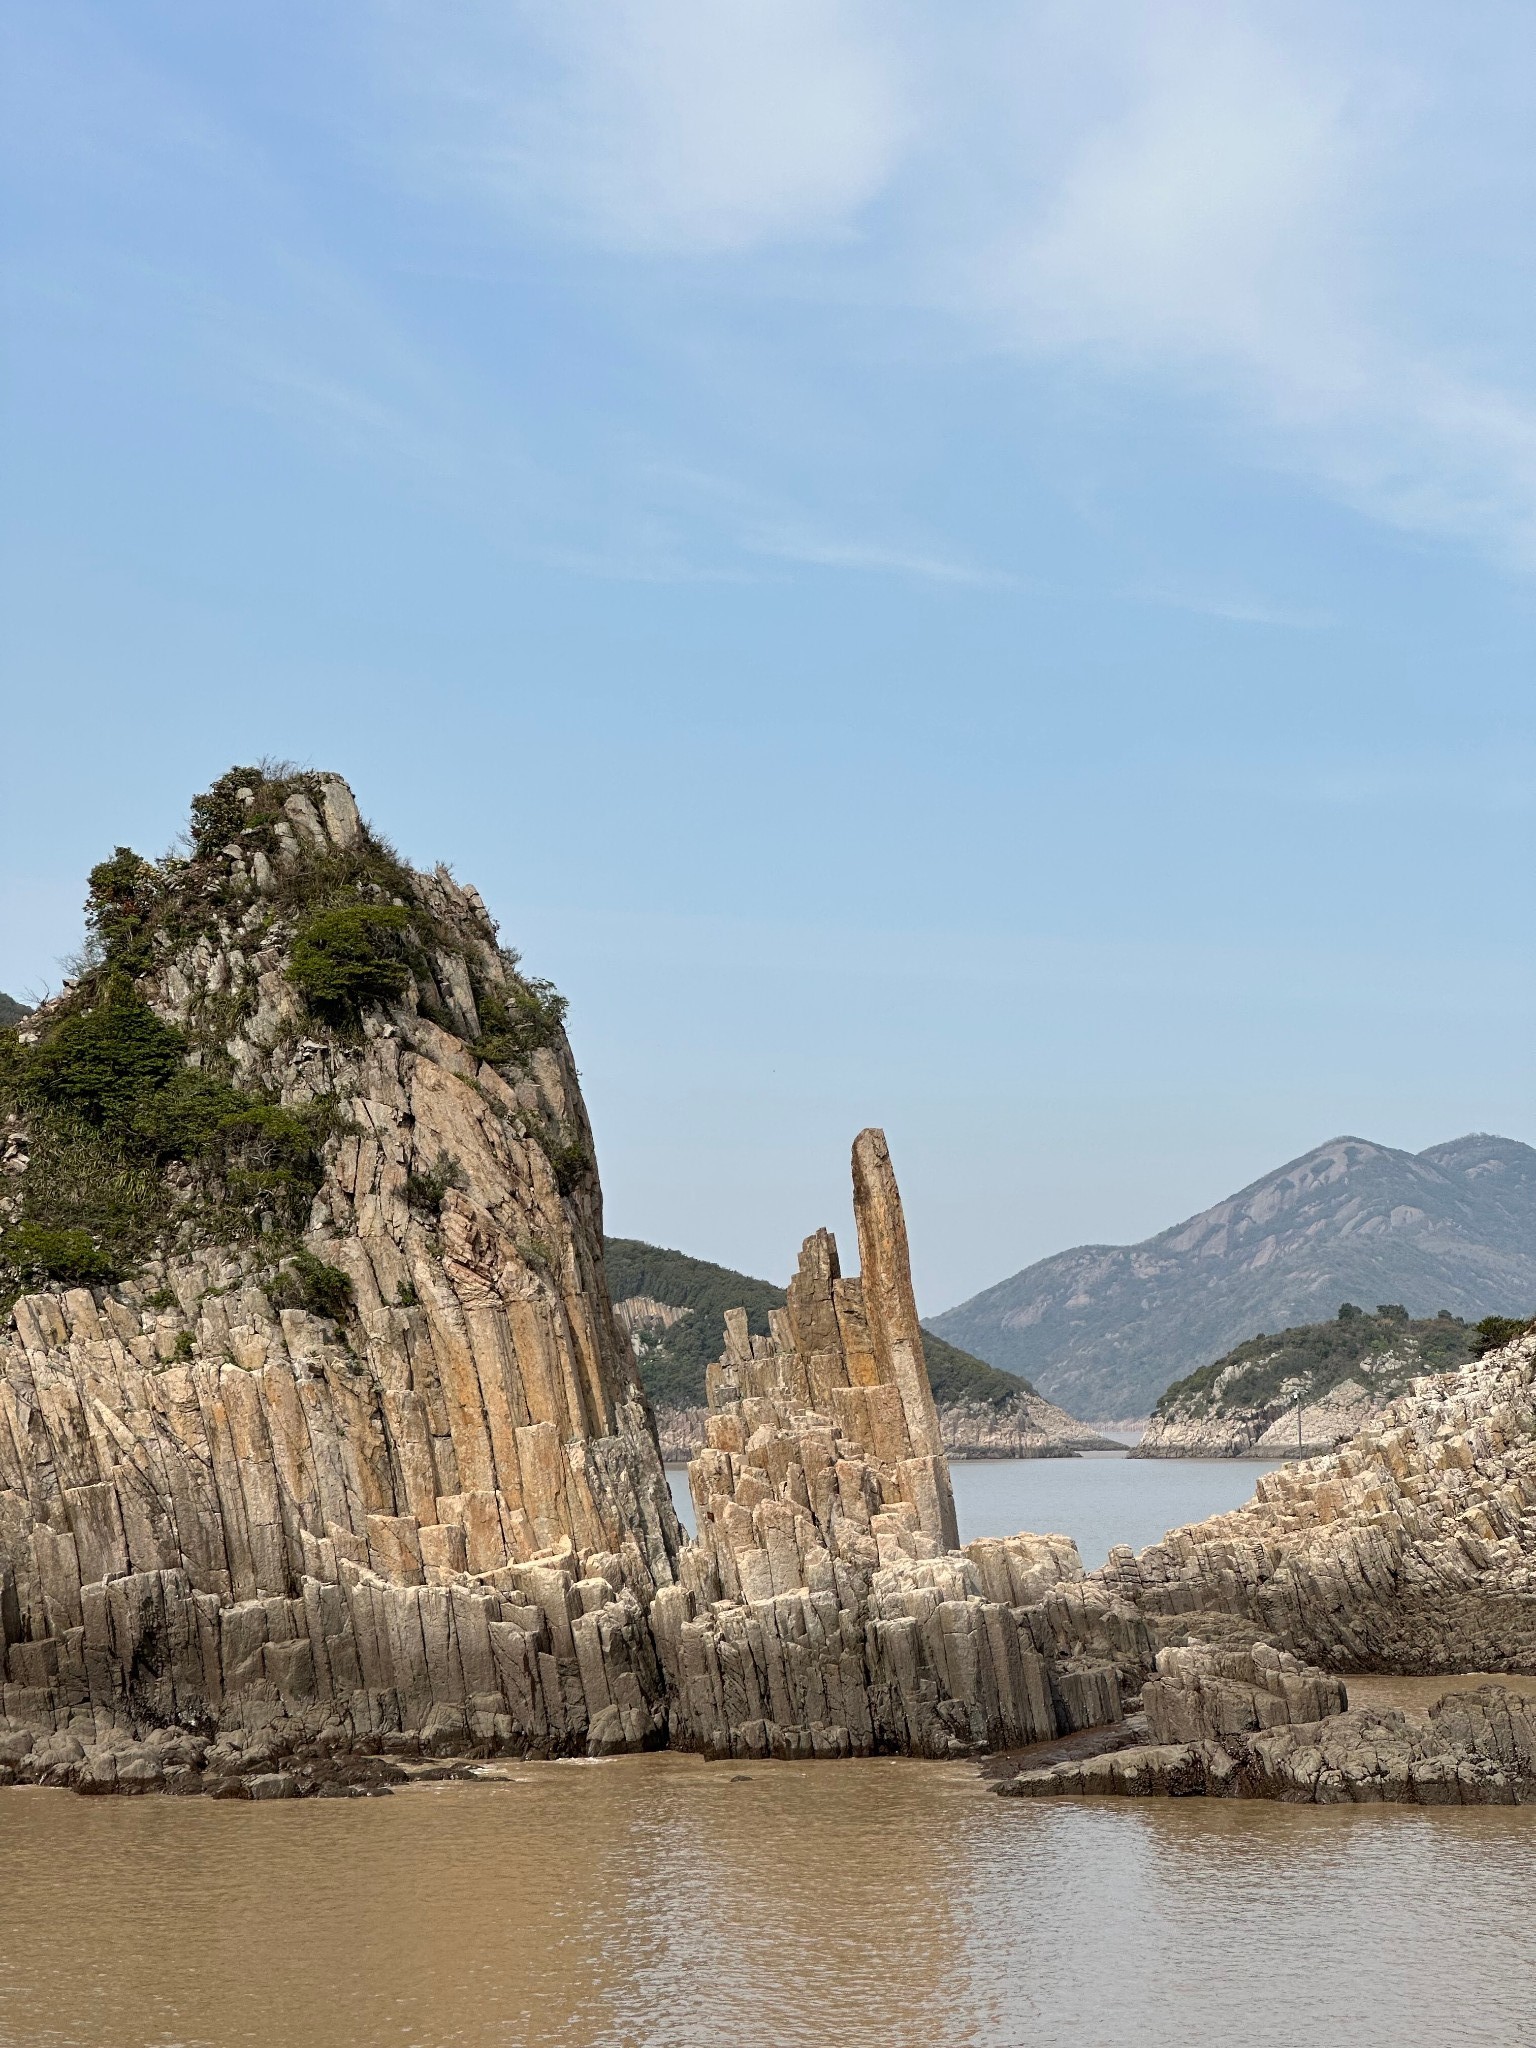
1411 1549
1473 1748
438 1517
1028 1426
682 1433
1303 1391
1199 1692
1272 1430
388 1485
826 1608
355 1461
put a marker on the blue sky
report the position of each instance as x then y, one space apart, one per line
969 569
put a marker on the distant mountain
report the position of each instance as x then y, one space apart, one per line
1103 1329
11 1012
674 1350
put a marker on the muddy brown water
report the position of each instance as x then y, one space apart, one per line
661 1902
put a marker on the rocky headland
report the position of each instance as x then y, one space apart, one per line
1306 1391
324 1458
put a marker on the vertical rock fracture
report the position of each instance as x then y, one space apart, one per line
345 1450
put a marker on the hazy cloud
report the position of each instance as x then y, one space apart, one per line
1221 199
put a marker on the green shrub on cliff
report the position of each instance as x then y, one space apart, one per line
38 1254
303 1281
109 1101
1386 1350
515 1023
1494 1332
352 955
106 1063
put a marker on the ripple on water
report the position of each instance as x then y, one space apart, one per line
666 1903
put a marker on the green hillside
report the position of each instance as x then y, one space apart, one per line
11 1012
672 1362
1384 1350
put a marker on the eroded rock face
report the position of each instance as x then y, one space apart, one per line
428 1514
441 1516
1472 1749
425 1513
1412 1549
826 1608
1198 1692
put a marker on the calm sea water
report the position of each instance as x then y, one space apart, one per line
1098 1500
659 1902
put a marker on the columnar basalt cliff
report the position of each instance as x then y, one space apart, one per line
390 1475
318 1433
1411 1549
320 1439
827 1608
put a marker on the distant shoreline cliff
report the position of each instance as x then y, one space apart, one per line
1308 1389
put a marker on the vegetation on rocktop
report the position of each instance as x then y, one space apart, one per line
516 1021
351 956
135 1134
125 1137
672 1362
1383 1351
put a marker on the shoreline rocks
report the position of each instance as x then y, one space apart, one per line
1473 1748
1270 1431
429 1523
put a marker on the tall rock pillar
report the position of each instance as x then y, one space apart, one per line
890 1309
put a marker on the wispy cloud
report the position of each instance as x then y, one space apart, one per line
877 559
664 127
1242 608
1222 200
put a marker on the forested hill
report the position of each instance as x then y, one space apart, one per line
673 1360
1103 1329
1384 1351
11 1012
